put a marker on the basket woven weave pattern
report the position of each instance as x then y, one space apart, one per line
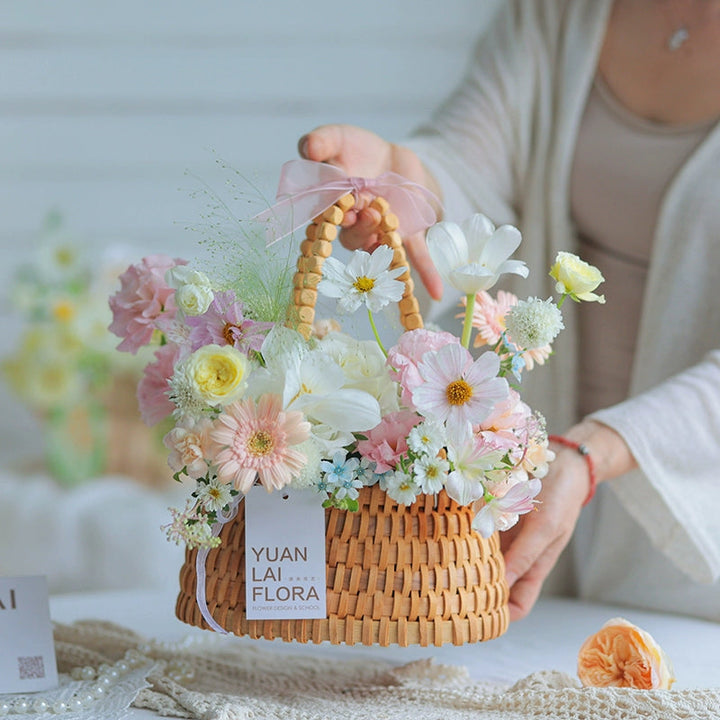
395 574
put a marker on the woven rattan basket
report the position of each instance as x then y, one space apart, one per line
407 575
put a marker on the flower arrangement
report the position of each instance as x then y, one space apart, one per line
65 362
255 401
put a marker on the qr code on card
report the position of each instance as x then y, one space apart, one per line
31 668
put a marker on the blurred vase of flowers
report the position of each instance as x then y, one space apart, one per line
66 369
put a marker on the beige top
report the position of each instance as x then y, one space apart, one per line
616 153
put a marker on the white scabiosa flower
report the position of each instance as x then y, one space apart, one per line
534 323
366 279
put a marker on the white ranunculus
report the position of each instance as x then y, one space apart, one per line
472 256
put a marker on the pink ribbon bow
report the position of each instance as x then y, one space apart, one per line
308 188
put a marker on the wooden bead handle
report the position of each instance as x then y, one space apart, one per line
318 245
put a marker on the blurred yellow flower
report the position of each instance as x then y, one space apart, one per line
576 278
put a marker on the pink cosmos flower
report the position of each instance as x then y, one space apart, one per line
224 324
186 442
387 442
404 357
152 392
458 390
249 441
489 321
143 297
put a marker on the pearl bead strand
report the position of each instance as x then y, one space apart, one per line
95 686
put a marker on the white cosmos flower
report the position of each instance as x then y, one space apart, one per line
472 256
366 279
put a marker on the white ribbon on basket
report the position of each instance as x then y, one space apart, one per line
200 566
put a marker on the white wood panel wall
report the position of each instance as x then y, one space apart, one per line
105 105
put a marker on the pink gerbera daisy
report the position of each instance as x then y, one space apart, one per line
458 390
225 324
250 441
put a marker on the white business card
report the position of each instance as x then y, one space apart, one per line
27 650
284 555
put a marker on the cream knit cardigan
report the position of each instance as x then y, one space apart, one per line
503 144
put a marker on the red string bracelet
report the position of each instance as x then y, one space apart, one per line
583 450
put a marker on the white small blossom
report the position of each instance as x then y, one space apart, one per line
430 473
534 323
427 438
401 487
214 494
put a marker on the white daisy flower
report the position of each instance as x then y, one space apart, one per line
427 438
534 323
431 473
401 487
366 279
214 494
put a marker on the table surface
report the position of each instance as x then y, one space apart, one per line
548 639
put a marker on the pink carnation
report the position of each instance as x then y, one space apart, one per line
142 299
155 405
387 442
404 358
187 443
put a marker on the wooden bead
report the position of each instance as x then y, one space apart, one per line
322 248
392 238
306 247
305 329
409 306
305 297
409 286
399 257
314 264
389 222
334 215
305 314
311 231
311 279
326 231
380 204
412 322
346 202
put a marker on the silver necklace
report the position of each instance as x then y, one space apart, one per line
678 38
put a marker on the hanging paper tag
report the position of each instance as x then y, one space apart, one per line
27 651
284 555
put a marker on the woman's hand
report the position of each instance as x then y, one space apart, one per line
361 153
532 547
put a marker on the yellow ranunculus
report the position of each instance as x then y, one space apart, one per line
576 278
218 373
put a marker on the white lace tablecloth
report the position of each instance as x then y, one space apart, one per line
548 640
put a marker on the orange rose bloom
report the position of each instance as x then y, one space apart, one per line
620 654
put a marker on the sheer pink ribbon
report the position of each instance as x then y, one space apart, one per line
201 560
308 188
